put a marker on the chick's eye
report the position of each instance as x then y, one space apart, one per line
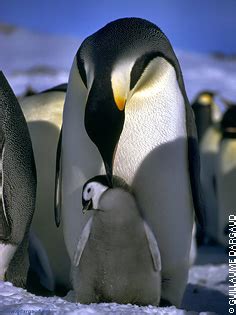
89 189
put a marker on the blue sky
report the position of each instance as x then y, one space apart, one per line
200 25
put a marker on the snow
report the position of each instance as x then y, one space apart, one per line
207 289
16 300
41 61
212 277
203 72
35 60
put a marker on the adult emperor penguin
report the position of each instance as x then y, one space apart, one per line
17 188
205 111
226 174
117 258
209 149
208 116
126 95
43 112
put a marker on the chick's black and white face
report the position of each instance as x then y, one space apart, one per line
92 193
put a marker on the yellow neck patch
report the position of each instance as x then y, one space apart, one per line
120 81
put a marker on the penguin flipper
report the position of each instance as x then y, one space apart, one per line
82 242
57 193
194 166
5 225
154 249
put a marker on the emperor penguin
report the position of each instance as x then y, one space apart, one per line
17 188
43 113
117 258
126 108
208 116
205 111
226 174
209 149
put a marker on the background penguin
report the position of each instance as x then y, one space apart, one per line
18 188
43 114
209 149
226 173
126 95
117 258
205 111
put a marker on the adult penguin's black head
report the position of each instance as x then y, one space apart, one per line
104 122
205 98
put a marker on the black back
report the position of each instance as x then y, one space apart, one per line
228 123
18 167
203 118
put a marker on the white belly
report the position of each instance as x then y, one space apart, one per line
152 157
7 251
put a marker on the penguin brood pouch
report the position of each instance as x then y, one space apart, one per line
17 188
117 257
126 113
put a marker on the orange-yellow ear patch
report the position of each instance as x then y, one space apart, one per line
205 99
120 102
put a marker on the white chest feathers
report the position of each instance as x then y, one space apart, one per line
154 115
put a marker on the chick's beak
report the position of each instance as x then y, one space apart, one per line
87 205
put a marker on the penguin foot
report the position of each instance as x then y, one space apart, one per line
164 303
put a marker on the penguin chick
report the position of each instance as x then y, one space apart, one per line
117 258
17 188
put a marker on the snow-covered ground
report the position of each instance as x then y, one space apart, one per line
16 300
41 61
35 60
208 284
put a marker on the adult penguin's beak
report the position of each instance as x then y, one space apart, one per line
109 172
